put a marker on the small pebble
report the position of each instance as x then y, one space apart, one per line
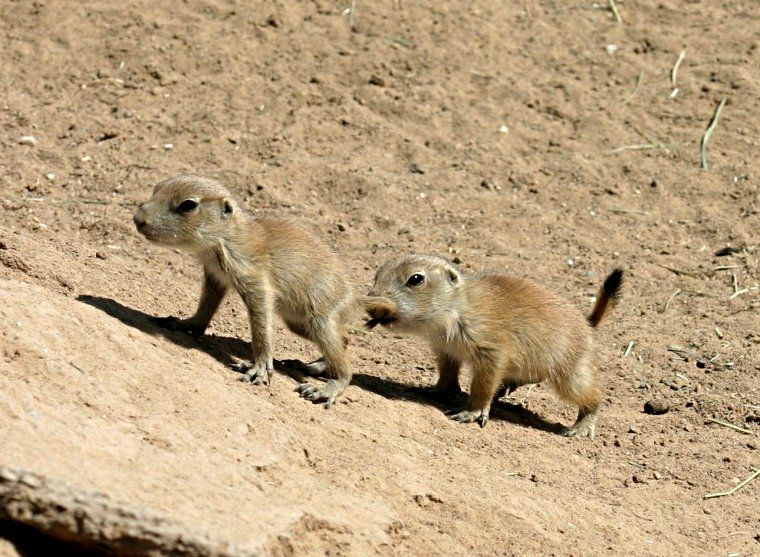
656 407
168 147
728 250
27 140
50 176
633 428
503 129
415 168
611 49
656 475
341 227
377 80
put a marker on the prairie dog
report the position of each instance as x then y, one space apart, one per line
275 265
509 331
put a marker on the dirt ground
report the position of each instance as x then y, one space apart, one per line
537 138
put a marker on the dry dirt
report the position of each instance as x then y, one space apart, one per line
387 138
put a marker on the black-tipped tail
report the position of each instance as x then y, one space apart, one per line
608 296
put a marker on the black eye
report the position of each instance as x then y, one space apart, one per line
415 280
187 205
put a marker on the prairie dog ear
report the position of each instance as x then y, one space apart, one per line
453 276
228 208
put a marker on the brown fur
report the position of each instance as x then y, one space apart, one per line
509 331
276 266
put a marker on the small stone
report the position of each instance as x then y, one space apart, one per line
656 475
653 184
128 113
168 147
728 250
101 255
415 168
50 176
27 140
341 227
457 260
633 428
701 363
377 81
503 129
534 478
656 407
611 49
638 479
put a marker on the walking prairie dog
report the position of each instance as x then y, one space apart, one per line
509 331
275 266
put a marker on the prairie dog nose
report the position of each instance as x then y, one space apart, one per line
139 217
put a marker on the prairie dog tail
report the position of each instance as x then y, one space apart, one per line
608 296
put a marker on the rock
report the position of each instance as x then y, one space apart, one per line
341 227
728 250
27 140
92 521
377 81
415 168
656 407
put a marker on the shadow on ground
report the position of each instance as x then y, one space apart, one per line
226 349
30 542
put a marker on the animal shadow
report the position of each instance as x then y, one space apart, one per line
501 410
228 350
225 350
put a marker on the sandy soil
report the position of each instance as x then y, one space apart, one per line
492 133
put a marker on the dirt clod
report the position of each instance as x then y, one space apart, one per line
656 407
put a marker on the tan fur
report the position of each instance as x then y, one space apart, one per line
276 266
509 331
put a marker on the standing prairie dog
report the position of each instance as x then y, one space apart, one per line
275 266
509 331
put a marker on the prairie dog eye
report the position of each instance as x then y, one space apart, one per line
415 280
187 205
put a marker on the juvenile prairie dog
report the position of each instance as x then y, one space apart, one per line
275 265
509 331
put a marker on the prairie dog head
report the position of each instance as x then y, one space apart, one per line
186 212
415 294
